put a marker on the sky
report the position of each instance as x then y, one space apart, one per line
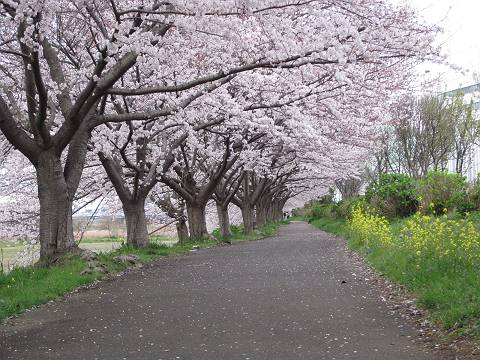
460 20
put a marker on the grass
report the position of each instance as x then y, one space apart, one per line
451 294
8 253
113 239
9 250
334 226
120 239
23 288
238 235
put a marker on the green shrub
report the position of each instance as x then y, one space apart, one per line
441 192
236 229
340 210
393 195
322 210
466 206
216 233
472 200
343 208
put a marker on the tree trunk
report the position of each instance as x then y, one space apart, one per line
248 219
262 215
136 221
197 222
278 209
459 164
223 221
182 231
56 229
273 213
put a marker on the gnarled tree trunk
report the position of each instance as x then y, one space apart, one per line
197 222
136 221
182 231
57 185
269 211
56 229
248 215
277 212
223 221
262 215
278 209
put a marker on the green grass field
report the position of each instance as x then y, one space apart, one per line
102 244
8 254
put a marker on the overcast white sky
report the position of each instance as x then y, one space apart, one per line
460 20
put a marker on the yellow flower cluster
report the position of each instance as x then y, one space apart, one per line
440 237
370 228
422 235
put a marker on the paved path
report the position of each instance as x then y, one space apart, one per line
280 298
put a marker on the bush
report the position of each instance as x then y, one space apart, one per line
466 206
236 229
393 195
441 192
472 200
344 208
322 210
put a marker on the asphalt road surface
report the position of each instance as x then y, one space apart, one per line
298 295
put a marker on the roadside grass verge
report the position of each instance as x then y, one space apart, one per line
448 289
120 239
334 226
238 235
23 288
10 249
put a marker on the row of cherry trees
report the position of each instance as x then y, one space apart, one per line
243 102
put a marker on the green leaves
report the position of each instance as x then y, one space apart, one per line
441 192
393 195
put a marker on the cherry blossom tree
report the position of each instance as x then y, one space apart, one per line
69 67
226 188
174 207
